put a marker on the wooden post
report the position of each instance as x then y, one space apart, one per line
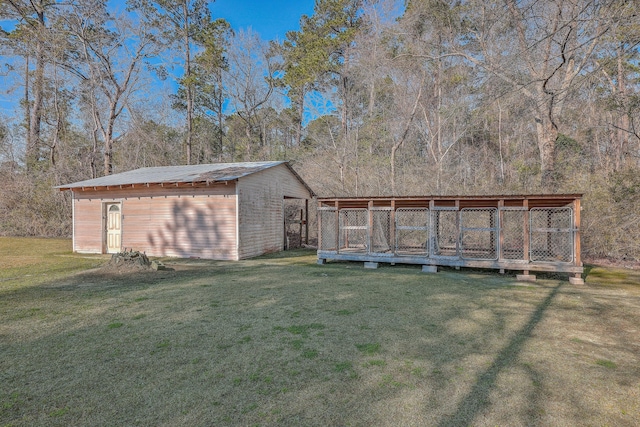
431 249
300 226
458 230
306 222
284 226
392 226
370 230
526 252
337 205
320 245
576 234
500 234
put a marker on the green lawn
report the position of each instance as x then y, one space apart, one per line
280 340
25 263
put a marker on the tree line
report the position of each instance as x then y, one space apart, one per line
368 97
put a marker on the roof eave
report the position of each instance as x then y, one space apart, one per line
144 184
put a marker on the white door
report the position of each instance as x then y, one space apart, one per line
114 228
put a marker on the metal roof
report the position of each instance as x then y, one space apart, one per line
217 172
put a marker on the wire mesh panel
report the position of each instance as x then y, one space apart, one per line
479 233
381 231
445 232
551 234
354 230
412 231
513 233
328 229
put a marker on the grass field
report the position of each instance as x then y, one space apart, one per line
281 340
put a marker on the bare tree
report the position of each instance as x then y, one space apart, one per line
540 49
400 139
109 55
250 85
617 64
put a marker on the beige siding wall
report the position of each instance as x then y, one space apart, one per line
87 223
181 222
261 221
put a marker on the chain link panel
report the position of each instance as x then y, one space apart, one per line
551 234
479 233
445 232
512 228
328 229
412 231
354 230
381 232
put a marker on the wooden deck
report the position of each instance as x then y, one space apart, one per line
513 265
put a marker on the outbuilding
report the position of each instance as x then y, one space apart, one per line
226 211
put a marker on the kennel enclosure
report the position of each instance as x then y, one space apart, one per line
521 233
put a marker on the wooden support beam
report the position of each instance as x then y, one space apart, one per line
576 234
306 221
301 221
392 226
337 205
370 228
319 227
458 230
500 233
432 231
526 252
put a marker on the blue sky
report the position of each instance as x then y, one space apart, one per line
270 18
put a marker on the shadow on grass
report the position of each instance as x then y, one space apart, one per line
477 400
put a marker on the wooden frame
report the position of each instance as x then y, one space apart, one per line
546 246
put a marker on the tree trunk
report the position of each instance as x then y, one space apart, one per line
27 103
547 134
94 151
400 142
108 157
220 104
108 140
623 128
247 132
372 98
299 119
32 155
189 85
56 135
343 114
